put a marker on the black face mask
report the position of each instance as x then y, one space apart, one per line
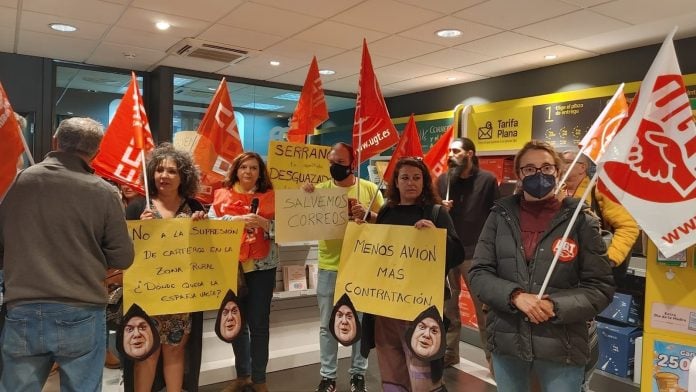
339 172
539 185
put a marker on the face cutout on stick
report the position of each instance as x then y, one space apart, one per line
137 338
344 323
229 320
425 335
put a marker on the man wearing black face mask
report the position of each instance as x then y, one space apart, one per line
472 192
342 162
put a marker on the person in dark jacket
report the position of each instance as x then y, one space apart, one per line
412 201
546 337
172 183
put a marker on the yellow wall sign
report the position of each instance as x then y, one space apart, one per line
393 271
304 216
501 129
180 265
292 164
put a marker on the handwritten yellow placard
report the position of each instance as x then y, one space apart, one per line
393 271
292 164
304 216
180 265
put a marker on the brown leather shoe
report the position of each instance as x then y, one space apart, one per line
111 361
237 384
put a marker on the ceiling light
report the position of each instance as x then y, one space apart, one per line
448 33
64 28
275 63
162 25
129 55
452 78
212 88
288 96
327 72
550 57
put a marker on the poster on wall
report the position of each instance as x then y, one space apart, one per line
500 130
670 370
430 127
564 124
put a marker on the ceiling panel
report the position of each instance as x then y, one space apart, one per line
141 19
302 50
348 63
54 46
404 70
495 67
572 26
34 21
338 35
587 3
9 3
297 77
386 15
240 37
401 48
470 31
503 44
143 39
319 8
191 63
436 80
111 54
208 10
274 20
645 11
451 58
90 10
259 67
446 6
8 17
506 14
348 84
7 39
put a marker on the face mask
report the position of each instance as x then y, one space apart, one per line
339 172
539 185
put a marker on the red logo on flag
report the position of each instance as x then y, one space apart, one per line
569 251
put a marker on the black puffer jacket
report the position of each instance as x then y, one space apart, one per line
580 287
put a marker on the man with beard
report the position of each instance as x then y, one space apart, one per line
471 192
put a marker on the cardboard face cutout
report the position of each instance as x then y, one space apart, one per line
344 323
137 338
425 335
229 320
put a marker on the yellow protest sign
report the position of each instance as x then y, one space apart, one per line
292 164
304 216
393 271
180 265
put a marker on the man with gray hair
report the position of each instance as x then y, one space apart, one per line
61 227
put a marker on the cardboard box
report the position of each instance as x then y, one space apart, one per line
617 348
294 278
623 309
312 275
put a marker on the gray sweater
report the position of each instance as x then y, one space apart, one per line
61 227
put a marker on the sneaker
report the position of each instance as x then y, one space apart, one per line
357 383
326 385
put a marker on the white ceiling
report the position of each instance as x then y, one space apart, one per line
500 36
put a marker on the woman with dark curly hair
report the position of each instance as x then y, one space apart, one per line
411 201
172 183
247 195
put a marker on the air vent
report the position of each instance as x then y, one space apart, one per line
215 51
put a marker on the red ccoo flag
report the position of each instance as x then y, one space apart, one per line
311 109
650 164
373 131
119 157
11 147
436 158
409 146
218 143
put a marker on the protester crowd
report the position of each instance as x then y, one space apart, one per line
62 228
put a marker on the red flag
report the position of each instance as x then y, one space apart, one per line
436 158
11 147
119 157
650 164
311 109
605 126
409 146
373 131
218 143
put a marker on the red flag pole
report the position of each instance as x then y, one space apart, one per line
147 188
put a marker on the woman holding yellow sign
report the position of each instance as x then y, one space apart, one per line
247 195
404 366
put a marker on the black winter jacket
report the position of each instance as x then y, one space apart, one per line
580 287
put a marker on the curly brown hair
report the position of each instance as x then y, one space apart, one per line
188 172
428 195
263 183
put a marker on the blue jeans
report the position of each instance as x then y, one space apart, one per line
251 346
513 375
36 335
328 345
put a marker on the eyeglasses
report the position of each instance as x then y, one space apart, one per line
531 170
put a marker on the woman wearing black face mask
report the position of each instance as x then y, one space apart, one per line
546 337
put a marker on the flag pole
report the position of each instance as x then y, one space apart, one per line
448 185
561 245
26 146
147 188
360 121
374 197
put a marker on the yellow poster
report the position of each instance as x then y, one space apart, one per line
180 265
393 271
293 164
304 216
496 130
